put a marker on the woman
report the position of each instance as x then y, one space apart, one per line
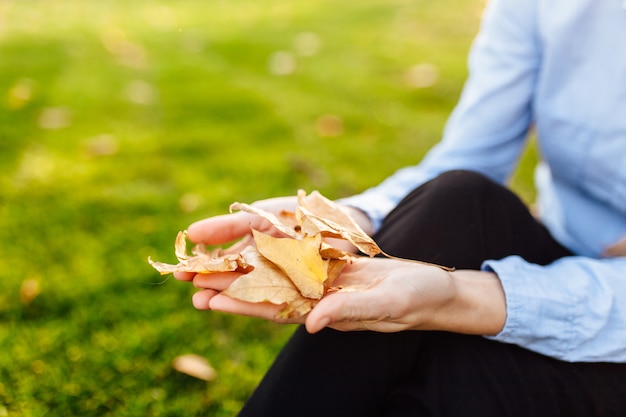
532 322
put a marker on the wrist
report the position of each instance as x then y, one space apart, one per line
478 305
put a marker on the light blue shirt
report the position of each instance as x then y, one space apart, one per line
558 66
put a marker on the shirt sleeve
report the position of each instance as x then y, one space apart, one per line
487 129
573 309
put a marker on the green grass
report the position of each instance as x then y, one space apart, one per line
123 121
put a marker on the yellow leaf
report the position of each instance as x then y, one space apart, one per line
265 283
268 283
299 259
335 266
296 308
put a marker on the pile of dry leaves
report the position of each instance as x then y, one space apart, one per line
295 270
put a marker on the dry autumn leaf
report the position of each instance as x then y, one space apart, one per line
195 366
300 259
201 262
285 221
29 290
268 283
317 214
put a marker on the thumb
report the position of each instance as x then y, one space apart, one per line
346 307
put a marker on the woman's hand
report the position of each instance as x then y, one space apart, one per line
390 295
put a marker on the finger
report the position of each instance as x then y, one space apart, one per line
345 310
225 228
216 281
240 245
227 304
184 276
201 299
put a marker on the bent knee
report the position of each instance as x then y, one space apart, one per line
461 181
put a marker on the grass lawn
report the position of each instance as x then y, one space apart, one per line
123 121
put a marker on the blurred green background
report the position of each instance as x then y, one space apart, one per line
121 122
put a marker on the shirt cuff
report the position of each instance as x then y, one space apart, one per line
540 313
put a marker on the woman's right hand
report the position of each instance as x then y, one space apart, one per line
237 226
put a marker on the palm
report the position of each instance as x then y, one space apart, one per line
385 295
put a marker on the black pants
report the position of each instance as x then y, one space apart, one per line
458 219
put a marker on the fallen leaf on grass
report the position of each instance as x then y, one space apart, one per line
29 290
195 366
